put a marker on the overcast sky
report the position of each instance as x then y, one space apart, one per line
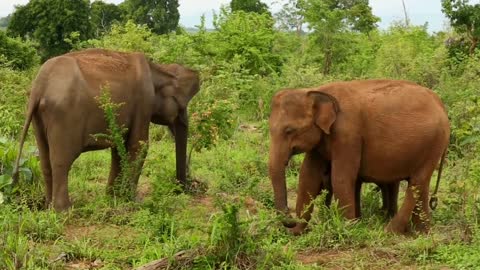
419 11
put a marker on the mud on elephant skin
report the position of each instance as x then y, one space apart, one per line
65 113
379 130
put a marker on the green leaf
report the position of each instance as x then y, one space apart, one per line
5 180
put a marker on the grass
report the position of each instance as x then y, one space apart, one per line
230 225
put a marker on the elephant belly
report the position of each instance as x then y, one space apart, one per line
398 161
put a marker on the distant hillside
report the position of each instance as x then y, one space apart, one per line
4 21
195 30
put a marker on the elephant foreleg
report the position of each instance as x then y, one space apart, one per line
310 183
136 143
345 166
114 170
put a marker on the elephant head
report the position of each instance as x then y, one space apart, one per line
170 107
299 120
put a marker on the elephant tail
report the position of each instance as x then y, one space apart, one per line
434 200
32 106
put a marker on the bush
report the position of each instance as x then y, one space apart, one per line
13 99
17 54
249 37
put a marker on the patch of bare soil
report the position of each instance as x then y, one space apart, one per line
352 259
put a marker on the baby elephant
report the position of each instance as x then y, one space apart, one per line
65 113
315 177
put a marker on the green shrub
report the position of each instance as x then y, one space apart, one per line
13 100
17 54
248 36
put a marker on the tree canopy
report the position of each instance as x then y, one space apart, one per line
102 15
331 19
256 6
465 18
50 22
161 16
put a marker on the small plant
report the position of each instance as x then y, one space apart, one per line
125 185
27 167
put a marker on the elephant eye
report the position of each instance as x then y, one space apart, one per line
289 130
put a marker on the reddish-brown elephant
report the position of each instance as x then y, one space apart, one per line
381 131
65 112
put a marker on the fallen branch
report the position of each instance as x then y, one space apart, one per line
179 261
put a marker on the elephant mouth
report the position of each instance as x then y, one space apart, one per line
295 151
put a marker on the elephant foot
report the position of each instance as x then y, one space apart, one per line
298 229
422 228
62 206
289 222
396 228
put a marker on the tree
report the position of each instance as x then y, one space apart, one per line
103 15
248 38
16 54
330 20
50 22
249 6
161 16
290 17
465 19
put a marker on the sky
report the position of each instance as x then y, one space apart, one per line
419 11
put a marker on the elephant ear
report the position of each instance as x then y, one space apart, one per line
189 83
325 108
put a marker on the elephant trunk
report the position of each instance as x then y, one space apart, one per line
277 165
181 135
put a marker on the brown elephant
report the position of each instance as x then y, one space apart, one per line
381 131
66 114
315 177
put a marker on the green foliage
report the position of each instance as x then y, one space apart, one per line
211 123
16 54
28 191
125 185
256 6
249 37
103 15
331 20
20 226
50 22
128 37
290 17
161 16
232 225
411 54
465 18
13 87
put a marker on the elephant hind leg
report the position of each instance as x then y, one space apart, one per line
416 194
390 198
421 212
44 153
63 152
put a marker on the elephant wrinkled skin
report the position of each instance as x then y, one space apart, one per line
380 131
65 113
